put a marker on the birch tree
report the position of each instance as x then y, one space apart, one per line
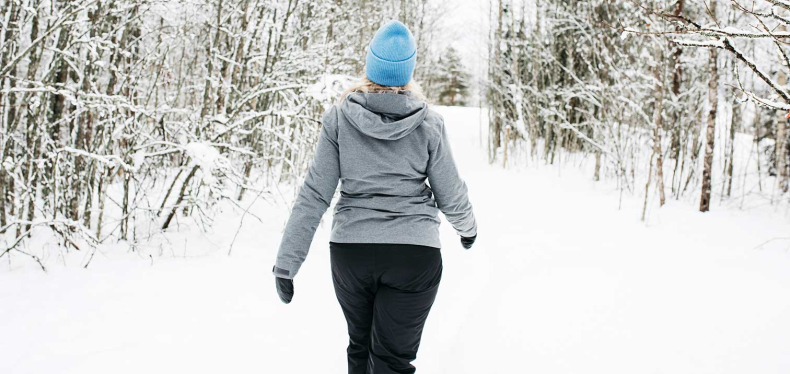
120 119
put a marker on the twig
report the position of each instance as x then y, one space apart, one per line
241 222
771 241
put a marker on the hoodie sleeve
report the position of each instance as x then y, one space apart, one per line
449 189
313 199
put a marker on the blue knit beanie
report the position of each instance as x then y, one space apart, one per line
391 55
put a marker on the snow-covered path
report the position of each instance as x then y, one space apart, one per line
560 281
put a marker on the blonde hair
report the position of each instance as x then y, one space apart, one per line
366 85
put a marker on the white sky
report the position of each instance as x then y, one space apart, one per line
466 29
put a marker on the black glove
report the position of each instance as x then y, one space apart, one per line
285 289
467 242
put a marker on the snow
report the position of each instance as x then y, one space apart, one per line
7 164
697 43
329 87
560 281
205 156
138 159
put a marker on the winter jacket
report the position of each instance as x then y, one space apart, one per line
381 147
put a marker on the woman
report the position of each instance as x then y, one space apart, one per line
383 142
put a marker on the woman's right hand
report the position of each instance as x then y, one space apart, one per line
467 242
285 289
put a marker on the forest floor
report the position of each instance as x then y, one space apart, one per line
563 279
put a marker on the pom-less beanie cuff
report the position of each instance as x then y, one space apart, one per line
389 73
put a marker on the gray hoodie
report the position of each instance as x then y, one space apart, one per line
382 147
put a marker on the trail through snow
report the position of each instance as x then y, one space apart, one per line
560 281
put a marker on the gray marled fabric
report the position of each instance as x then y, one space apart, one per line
381 147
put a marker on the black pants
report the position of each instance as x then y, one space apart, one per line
386 292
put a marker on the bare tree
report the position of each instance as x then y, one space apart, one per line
119 117
710 132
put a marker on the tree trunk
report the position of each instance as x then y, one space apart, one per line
677 125
713 101
658 107
169 191
9 111
781 138
210 68
495 130
647 186
247 171
537 82
125 207
104 179
757 139
781 154
180 198
2 196
597 175
729 165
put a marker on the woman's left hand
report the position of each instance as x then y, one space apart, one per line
467 242
285 289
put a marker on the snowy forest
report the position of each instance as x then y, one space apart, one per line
628 164
670 90
117 116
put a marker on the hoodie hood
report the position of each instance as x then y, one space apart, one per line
384 115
